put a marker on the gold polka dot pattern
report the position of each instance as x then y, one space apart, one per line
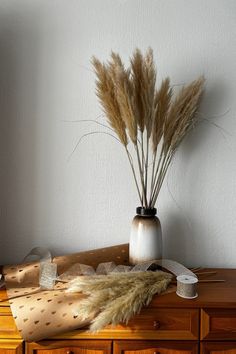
41 314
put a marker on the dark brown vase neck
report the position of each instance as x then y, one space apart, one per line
146 211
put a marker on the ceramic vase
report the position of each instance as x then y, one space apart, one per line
145 237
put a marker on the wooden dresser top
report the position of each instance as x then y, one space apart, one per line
172 312
210 294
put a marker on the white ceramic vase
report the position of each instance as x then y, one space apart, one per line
145 237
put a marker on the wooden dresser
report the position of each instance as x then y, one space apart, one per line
170 325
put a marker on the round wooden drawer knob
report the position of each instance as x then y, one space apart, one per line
156 325
69 352
156 353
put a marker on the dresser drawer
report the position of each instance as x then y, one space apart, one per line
11 346
155 347
7 325
70 347
218 348
153 323
218 324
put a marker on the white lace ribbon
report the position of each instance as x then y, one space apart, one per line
48 271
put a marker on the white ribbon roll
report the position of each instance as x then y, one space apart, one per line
187 286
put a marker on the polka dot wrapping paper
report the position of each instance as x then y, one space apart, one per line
41 313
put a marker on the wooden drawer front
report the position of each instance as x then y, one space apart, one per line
11 347
153 323
218 324
218 348
70 347
155 347
7 326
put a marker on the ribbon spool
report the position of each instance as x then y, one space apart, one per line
187 286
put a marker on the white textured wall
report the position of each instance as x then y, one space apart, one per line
89 201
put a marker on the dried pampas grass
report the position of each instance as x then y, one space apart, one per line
146 116
116 297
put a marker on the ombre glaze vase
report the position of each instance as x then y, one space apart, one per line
145 237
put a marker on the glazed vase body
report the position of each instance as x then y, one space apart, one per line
145 237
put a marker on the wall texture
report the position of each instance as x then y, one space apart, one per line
86 200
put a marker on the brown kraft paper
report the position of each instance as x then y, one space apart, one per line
41 313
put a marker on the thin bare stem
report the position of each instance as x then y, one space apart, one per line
134 174
146 166
89 120
143 156
156 173
159 171
221 130
91 133
141 176
162 177
152 176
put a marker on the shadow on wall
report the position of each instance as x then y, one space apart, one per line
181 239
174 237
18 105
211 118
183 235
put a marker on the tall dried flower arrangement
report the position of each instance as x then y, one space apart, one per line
151 119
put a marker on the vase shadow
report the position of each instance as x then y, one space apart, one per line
181 240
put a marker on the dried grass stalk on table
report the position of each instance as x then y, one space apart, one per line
116 297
